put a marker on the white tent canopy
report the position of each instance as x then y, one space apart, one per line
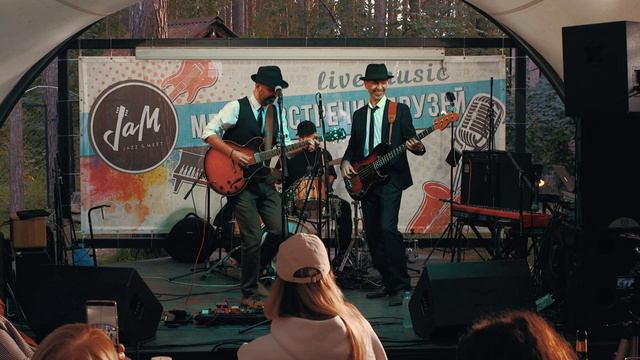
539 22
32 28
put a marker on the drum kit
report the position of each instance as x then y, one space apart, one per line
307 212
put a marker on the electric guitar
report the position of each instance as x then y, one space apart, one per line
228 177
369 170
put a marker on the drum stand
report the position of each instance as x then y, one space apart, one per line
354 246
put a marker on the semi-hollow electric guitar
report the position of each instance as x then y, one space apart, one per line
369 171
228 177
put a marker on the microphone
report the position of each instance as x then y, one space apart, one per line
450 97
473 130
278 91
320 109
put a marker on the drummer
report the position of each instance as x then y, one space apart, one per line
308 164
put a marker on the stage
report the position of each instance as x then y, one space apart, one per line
192 293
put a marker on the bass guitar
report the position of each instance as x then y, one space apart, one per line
369 170
228 177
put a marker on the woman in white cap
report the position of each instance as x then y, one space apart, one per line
311 319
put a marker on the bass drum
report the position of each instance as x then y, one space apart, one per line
230 230
186 236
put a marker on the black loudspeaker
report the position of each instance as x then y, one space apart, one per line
607 187
450 296
491 179
56 295
185 240
601 66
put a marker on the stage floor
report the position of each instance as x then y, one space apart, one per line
177 288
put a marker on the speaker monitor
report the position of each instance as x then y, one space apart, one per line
601 67
450 296
56 295
491 179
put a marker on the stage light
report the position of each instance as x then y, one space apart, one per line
288 53
541 183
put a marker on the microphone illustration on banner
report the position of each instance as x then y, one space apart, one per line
473 131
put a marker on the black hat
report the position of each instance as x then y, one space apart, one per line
306 128
270 76
376 72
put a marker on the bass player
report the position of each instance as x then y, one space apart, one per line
382 121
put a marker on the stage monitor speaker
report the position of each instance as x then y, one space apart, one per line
450 296
491 179
601 67
56 295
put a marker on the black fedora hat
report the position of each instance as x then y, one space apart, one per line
271 76
376 72
306 128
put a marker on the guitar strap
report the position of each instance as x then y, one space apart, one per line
393 108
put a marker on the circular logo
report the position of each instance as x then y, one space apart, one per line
133 126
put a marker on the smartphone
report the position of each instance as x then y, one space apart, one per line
103 314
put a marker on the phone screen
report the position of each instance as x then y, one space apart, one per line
103 314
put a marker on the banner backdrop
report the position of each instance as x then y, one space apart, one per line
141 122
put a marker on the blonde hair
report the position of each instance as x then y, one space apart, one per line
76 342
317 301
514 335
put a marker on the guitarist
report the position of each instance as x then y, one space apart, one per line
239 121
381 205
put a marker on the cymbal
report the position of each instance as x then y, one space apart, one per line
335 161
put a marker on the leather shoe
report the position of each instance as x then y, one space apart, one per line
380 293
395 299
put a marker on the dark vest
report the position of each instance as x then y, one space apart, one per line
247 126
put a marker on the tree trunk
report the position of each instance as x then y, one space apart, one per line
237 17
50 77
380 17
148 19
16 159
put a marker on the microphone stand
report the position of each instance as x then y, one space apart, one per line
285 172
325 167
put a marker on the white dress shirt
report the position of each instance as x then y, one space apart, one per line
377 124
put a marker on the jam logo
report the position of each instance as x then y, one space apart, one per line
133 126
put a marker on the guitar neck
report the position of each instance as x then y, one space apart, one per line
386 158
268 154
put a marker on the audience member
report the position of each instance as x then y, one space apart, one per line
78 342
311 319
521 335
13 344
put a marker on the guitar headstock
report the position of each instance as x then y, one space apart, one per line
336 135
441 122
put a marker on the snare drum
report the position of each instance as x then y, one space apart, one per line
309 185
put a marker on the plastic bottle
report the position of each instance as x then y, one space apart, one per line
406 315
581 345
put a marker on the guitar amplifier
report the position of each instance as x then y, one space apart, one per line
491 179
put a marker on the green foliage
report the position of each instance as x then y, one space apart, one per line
549 131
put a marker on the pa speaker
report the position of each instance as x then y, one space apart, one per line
450 296
601 67
56 295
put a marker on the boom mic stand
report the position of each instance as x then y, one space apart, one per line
325 172
283 163
452 160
